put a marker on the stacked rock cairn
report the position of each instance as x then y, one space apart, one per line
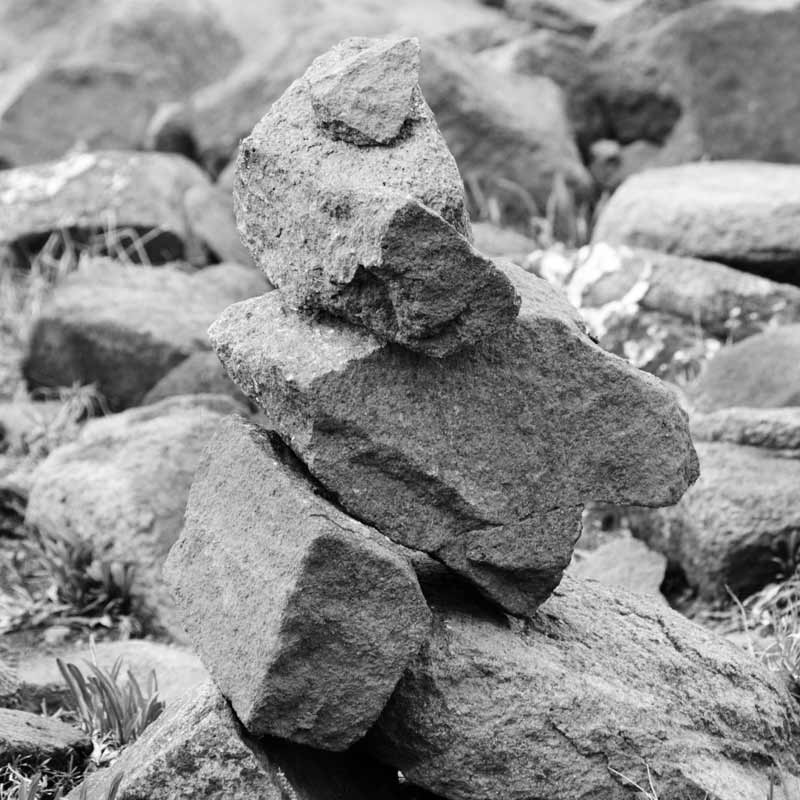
367 566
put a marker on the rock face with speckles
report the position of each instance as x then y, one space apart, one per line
348 198
483 459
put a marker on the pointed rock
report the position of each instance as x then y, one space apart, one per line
482 459
378 236
362 90
305 618
600 685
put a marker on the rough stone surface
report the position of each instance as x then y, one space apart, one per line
736 526
125 481
377 235
87 193
669 314
125 327
305 618
622 562
24 735
486 455
692 75
773 428
741 213
368 95
598 680
762 371
200 373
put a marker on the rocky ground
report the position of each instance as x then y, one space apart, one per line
409 416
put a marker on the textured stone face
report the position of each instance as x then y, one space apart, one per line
305 618
484 456
598 680
376 235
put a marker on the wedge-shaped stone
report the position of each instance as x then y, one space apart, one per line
482 459
376 235
600 684
305 618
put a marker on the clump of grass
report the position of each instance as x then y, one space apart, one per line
112 708
46 785
68 580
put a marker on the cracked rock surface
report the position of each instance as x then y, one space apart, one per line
304 617
480 459
597 681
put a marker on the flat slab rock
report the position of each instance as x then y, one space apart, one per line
196 749
125 327
24 735
377 235
598 680
482 459
91 192
741 213
773 428
305 618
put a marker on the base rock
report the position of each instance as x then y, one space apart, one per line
598 680
484 456
305 618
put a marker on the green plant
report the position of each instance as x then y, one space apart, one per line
112 708
63 578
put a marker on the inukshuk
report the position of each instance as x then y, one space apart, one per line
430 409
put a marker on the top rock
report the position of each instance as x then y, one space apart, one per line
349 200
362 91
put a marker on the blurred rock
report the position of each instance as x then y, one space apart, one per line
773 428
440 455
762 371
507 243
209 212
26 737
125 327
578 17
305 617
124 482
744 214
376 235
599 685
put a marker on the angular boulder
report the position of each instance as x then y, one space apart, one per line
125 327
736 527
305 618
124 483
196 749
25 736
482 459
595 690
762 372
112 199
744 214
377 235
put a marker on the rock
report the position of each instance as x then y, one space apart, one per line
305 618
669 314
566 16
736 526
25 423
623 562
108 201
375 235
502 126
210 215
170 131
125 327
485 456
178 670
743 214
124 483
196 749
600 684
504 242
200 373
366 95
762 372
30 736
129 56
773 428
691 75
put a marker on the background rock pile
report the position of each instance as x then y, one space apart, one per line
373 576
